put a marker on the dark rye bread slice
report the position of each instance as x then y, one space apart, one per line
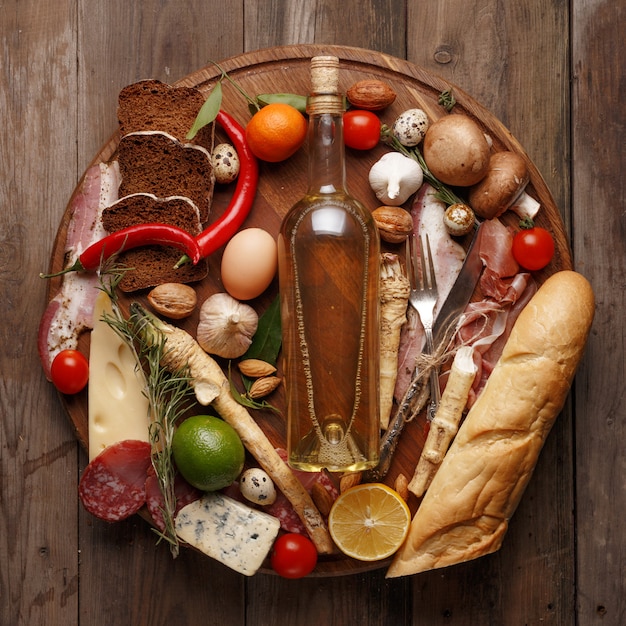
156 162
154 105
153 265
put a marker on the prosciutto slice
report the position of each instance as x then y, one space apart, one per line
70 312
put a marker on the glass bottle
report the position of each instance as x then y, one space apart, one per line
329 253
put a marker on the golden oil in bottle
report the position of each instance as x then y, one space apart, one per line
329 253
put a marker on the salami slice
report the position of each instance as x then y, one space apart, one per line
112 486
184 492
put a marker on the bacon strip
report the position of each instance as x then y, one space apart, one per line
70 312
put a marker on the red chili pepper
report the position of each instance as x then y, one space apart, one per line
134 237
220 232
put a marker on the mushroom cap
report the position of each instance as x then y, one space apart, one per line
456 150
506 178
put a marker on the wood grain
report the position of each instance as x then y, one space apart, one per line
62 66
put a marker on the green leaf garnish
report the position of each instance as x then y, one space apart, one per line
209 110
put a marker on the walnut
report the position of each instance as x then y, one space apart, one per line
394 223
371 95
173 300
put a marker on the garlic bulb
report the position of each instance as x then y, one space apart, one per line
394 178
226 326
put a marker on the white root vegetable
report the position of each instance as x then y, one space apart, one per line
394 299
445 424
182 349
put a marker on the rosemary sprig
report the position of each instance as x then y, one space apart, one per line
169 396
443 192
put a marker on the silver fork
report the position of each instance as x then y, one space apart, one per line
423 297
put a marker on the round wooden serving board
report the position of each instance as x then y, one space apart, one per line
286 69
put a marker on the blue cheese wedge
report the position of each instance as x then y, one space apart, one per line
229 531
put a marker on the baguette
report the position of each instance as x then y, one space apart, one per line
466 510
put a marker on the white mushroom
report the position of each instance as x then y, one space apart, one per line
256 486
395 177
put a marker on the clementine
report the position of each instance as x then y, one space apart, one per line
276 132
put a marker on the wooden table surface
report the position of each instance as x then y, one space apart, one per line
550 71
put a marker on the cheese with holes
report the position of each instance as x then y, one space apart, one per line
229 531
118 408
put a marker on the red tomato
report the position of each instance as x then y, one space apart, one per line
533 248
69 371
361 129
293 556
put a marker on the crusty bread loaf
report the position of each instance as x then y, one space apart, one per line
153 265
467 508
156 162
154 105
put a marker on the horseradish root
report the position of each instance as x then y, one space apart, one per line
394 299
180 348
446 422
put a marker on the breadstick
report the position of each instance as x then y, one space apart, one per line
445 424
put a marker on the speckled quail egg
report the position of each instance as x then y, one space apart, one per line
410 127
256 486
225 163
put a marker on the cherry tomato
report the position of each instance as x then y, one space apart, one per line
293 556
533 248
361 129
69 371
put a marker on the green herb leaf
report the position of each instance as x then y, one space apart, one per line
447 100
267 340
209 110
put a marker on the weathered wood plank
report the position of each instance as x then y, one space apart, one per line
599 198
125 577
487 49
38 573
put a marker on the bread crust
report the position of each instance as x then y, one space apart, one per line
466 510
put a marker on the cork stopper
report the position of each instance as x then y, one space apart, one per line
324 75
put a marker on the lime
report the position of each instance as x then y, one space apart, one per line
208 452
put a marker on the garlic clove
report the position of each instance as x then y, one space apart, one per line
226 326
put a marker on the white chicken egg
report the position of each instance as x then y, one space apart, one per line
256 486
249 263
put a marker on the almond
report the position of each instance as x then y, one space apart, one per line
173 300
401 485
262 387
394 223
255 368
371 95
322 498
349 480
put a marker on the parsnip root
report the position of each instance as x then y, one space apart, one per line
445 424
181 350
394 299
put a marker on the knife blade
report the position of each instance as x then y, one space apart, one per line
453 306
462 290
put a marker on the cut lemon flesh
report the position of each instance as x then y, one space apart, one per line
369 522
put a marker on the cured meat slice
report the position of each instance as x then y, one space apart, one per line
113 485
184 492
282 509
